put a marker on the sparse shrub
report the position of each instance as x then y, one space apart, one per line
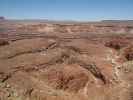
3 42
116 44
128 53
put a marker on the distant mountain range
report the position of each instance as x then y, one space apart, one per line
117 21
66 21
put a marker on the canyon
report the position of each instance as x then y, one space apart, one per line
60 60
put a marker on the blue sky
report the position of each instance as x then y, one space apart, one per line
67 9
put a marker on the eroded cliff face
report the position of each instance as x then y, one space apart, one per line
66 62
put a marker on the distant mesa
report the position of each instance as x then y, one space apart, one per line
117 21
2 18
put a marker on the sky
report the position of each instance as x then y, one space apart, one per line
81 10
